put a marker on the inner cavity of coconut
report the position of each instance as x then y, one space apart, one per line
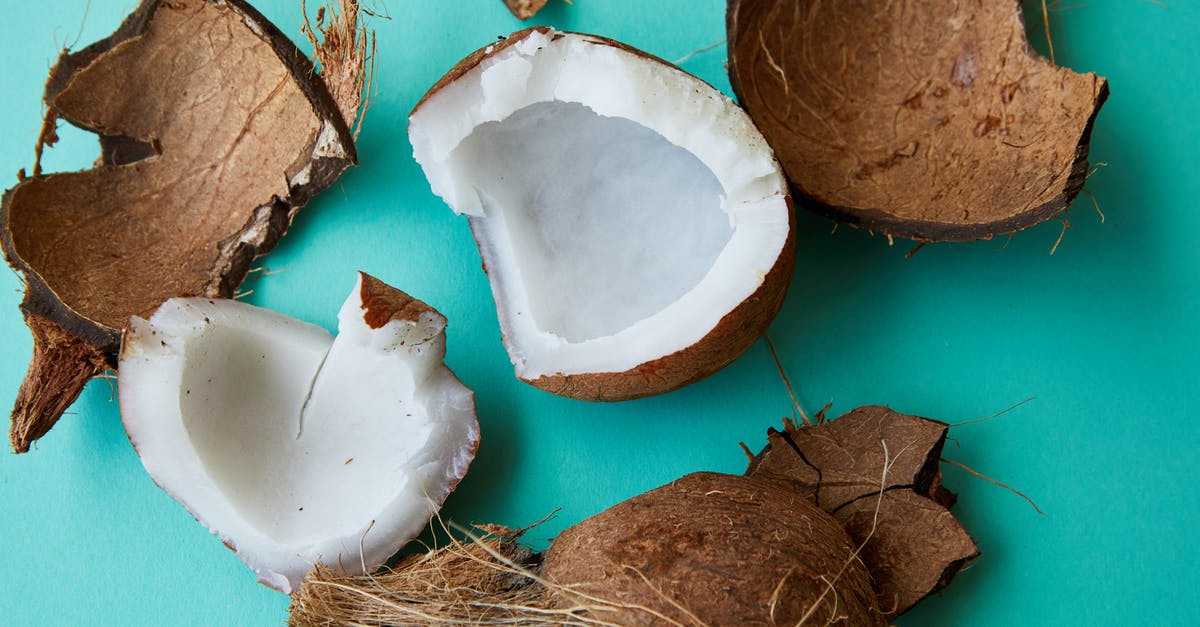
295 429
256 406
610 222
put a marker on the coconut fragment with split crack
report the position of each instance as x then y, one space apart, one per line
292 445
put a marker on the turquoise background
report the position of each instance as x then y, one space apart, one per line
1103 334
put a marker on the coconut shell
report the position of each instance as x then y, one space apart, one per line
736 332
214 130
932 120
524 9
912 544
716 549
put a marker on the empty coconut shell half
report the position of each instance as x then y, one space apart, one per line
214 129
290 444
634 225
933 121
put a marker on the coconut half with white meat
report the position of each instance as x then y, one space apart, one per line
293 445
635 226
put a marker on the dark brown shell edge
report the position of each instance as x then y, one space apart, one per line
734 334
929 231
41 303
382 303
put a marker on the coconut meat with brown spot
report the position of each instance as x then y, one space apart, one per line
290 444
622 207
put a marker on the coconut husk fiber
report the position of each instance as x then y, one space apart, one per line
214 129
844 522
933 121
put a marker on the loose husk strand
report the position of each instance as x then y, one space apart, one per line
344 48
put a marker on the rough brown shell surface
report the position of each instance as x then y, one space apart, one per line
729 550
930 120
524 9
912 544
214 129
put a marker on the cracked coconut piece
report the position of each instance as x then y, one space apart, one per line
915 546
292 445
214 129
633 223
933 121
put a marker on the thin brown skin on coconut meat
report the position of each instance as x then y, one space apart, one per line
202 169
935 124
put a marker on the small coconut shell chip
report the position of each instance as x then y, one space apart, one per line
928 120
214 129
896 516
634 225
524 9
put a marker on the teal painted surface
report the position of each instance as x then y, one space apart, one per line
1103 334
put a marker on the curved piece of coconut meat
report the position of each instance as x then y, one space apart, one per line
292 445
635 226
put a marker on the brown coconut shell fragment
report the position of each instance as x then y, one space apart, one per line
933 121
912 544
718 550
525 9
214 130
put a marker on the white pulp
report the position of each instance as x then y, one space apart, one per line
622 207
292 445
596 257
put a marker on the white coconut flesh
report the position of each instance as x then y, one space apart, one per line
292 445
622 207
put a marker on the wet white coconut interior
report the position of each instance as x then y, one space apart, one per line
292 445
622 207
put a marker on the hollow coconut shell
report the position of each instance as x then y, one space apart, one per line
753 176
214 129
933 121
717 550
